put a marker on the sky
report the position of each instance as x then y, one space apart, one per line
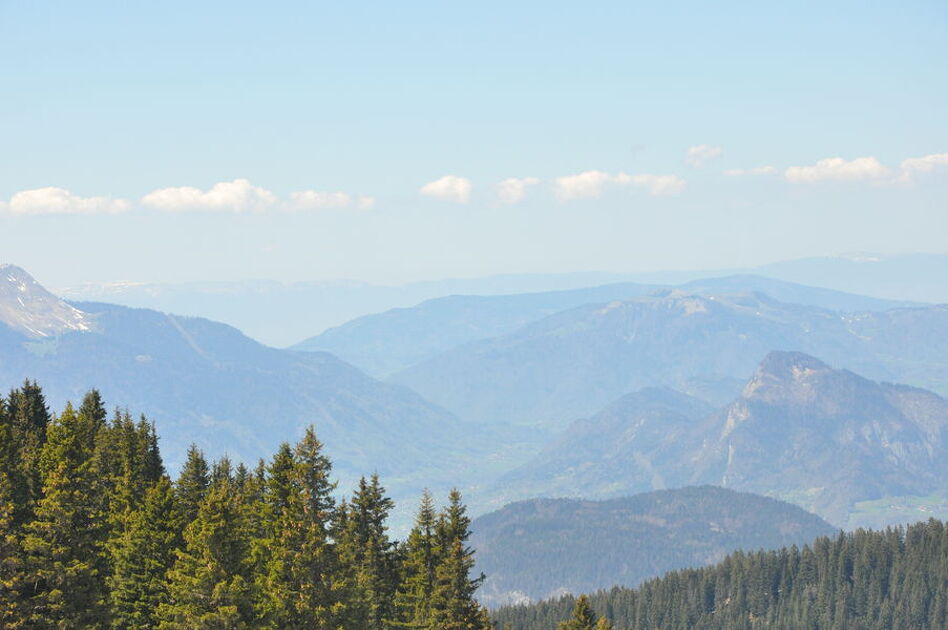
397 141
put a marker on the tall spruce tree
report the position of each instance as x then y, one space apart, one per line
453 606
210 586
141 560
29 417
302 586
421 555
62 545
10 551
369 556
191 487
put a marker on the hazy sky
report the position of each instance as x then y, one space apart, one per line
391 141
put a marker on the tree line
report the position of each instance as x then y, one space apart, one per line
94 534
866 580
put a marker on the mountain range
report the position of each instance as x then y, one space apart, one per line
542 548
669 382
825 439
283 313
570 364
385 343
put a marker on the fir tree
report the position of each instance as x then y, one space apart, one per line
10 551
369 557
453 606
142 559
210 584
62 546
421 556
29 418
191 487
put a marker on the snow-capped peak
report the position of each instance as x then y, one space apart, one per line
28 308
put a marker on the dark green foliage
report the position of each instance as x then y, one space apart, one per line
869 580
369 554
63 542
453 606
105 540
28 417
142 556
210 585
421 554
191 486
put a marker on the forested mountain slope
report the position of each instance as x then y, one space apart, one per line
871 580
544 547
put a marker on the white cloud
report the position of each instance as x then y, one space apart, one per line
236 196
316 200
838 169
585 185
757 170
53 200
659 185
448 188
513 189
924 164
701 154
589 185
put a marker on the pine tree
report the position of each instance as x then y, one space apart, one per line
583 617
299 580
210 585
191 487
369 557
62 545
29 418
10 551
453 606
142 558
421 557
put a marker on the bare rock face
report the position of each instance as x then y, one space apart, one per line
28 308
829 437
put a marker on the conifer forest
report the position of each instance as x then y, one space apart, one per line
94 534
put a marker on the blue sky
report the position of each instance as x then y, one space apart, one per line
332 126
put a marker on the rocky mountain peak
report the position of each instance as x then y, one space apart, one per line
28 308
784 371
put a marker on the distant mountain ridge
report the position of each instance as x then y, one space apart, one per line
574 362
822 438
536 549
394 340
283 313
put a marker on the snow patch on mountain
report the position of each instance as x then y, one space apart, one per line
28 308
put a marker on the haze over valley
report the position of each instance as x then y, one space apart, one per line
473 316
